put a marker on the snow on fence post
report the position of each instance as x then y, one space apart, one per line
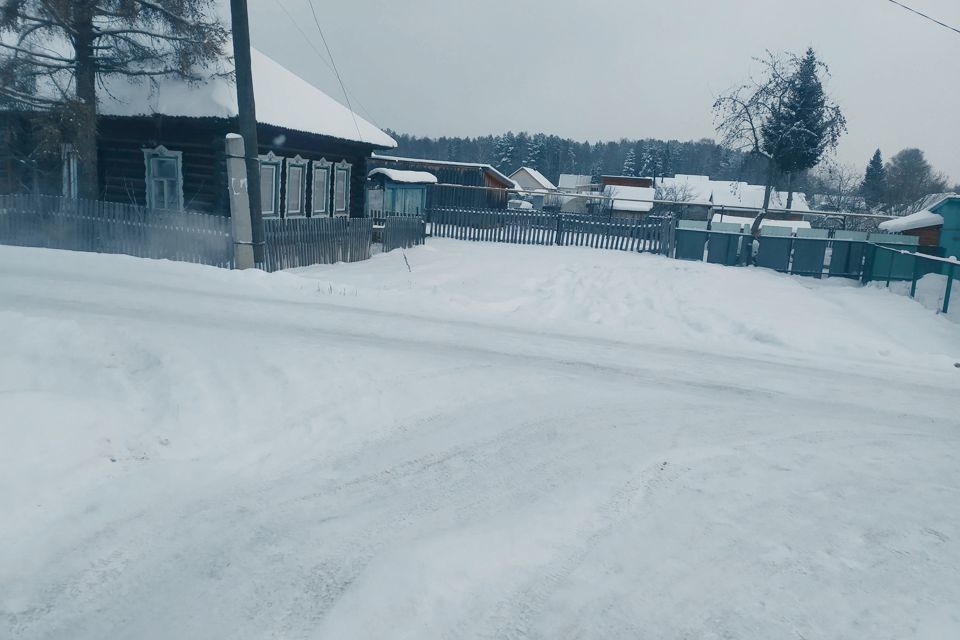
239 203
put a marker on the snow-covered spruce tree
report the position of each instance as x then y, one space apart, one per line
874 185
645 163
54 54
596 171
504 151
535 152
805 125
782 115
630 164
571 164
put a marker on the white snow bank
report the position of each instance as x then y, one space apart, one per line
766 222
918 220
643 297
411 177
505 441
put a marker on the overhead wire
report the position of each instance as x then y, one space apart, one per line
323 58
923 15
336 71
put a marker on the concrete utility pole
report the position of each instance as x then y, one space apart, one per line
248 119
239 203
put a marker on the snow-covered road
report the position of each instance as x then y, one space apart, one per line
506 442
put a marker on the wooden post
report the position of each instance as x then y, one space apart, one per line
243 256
946 294
913 282
247 116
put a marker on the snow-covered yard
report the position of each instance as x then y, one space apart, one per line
502 442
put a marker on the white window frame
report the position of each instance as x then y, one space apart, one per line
325 166
70 161
162 152
277 163
338 169
301 207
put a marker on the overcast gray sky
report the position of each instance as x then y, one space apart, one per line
608 69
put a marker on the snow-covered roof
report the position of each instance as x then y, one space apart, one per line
284 99
736 194
573 181
451 163
629 198
410 177
701 190
931 202
685 188
918 220
539 181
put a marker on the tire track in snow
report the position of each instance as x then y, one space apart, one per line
512 616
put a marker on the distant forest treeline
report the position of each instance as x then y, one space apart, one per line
553 155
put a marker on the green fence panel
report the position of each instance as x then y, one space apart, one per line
899 267
723 247
809 252
894 240
775 246
882 264
903 266
691 239
847 252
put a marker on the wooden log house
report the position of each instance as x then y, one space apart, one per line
161 145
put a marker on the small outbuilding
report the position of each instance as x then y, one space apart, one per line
937 225
625 181
471 185
531 180
629 201
925 225
398 191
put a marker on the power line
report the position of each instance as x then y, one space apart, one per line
923 15
320 56
323 39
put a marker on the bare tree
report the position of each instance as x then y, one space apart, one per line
909 178
838 188
55 54
678 192
840 183
781 115
742 112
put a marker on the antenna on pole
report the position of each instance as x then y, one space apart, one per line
247 112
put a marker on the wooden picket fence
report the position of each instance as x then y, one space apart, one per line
649 234
646 235
54 222
301 242
403 232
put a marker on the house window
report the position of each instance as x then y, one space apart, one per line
270 166
321 187
164 178
70 161
341 189
296 187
